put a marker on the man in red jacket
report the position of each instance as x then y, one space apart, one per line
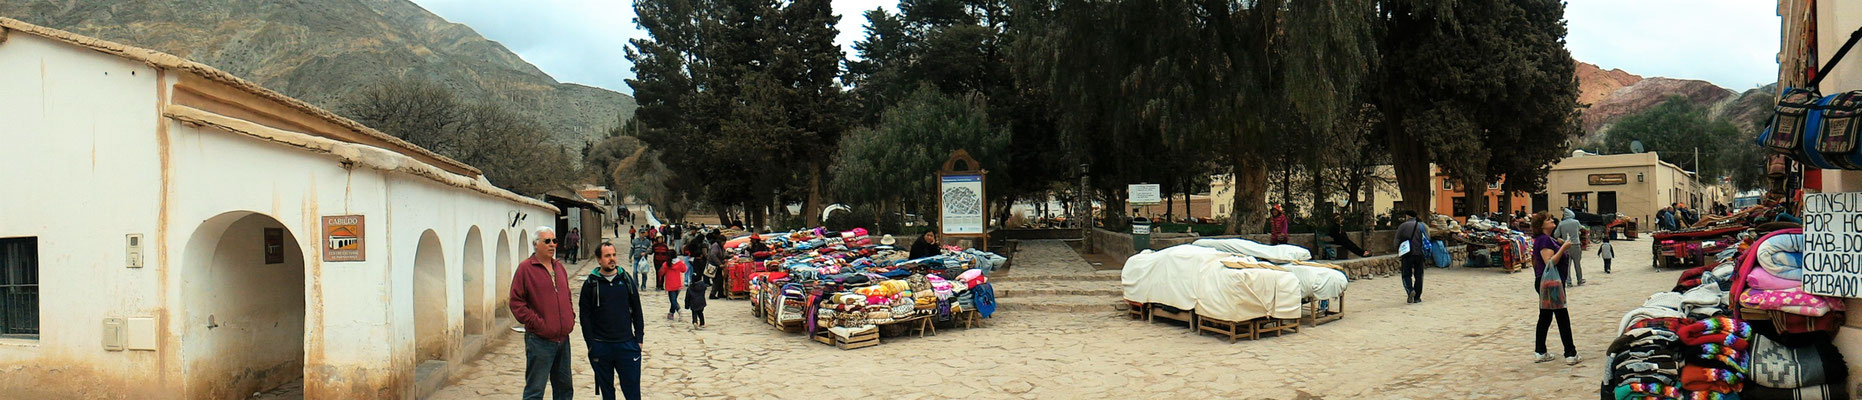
540 301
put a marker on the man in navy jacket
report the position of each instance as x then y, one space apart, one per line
613 325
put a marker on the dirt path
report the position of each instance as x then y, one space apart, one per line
1470 339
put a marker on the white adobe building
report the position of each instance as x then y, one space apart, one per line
161 236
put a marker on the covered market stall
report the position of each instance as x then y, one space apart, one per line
1234 288
841 289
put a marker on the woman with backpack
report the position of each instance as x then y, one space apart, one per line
1549 266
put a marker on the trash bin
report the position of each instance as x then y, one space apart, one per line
1140 233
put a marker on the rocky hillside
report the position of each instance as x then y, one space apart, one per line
1595 83
319 50
1614 94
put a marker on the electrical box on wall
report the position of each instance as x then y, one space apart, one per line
113 334
140 333
133 247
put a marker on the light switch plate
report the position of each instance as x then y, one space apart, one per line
113 334
133 250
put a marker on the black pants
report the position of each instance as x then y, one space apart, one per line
1606 265
718 291
1564 330
1412 274
611 359
1345 243
698 316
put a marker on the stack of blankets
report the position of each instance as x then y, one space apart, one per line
1776 282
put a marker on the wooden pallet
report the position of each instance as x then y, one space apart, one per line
737 295
1314 315
866 339
1185 316
1250 329
1229 329
1135 310
1276 326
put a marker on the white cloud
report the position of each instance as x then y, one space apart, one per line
583 41
1732 43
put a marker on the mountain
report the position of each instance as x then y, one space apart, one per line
1614 94
320 50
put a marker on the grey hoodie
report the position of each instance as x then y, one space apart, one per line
1570 231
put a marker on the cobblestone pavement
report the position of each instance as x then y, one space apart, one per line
1471 338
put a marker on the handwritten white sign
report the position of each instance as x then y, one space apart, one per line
1833 244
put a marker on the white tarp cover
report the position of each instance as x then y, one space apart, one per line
1319 282
1275 253
1193 278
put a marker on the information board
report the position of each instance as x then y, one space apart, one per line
1833 244
1144 194
962 201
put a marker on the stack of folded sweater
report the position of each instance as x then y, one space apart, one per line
1645 363
1716 349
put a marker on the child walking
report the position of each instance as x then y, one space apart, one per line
695 300
1606 252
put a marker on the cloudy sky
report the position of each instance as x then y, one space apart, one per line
1731 43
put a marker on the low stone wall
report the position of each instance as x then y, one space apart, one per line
1119 244
1033 234
1389 264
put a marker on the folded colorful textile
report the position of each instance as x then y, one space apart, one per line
1759 278
1792 300
1775 365
1702 379
1647 391
1647 312
1782 255
1818 392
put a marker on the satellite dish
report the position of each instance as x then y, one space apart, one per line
1635 146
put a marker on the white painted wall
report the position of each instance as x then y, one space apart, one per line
85 141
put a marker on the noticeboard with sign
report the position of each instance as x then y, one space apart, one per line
963 205
343 238
1833 244
1144 194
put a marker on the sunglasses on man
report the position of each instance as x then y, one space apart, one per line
549 241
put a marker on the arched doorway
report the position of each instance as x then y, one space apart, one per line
504 266
473 276
243 296
429 299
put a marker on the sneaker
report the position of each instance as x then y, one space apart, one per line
1541 357
1573 360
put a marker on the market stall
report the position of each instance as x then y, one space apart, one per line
1738 327
841 290
1234 288
1501 246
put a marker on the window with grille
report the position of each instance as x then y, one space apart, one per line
19 287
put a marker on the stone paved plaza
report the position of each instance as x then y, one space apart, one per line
1471 338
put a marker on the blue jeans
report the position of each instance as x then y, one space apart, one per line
673 295
609 359
546 361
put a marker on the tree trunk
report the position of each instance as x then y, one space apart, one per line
1411 161
811 208
1476 195
1249 206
